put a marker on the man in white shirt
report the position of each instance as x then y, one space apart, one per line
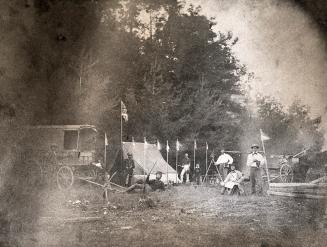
186 163
255 162
224 161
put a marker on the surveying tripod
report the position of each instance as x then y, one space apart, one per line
212 162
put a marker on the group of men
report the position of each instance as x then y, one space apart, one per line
230 177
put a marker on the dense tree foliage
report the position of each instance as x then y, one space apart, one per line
177 77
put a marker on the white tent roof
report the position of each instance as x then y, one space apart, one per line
145 157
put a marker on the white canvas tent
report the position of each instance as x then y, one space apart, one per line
147 157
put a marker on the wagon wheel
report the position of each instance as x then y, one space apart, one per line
65 177
286 173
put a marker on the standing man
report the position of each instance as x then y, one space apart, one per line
197 174
255 162
224 161
186 163
129 168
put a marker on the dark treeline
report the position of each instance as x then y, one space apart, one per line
176 76
73 61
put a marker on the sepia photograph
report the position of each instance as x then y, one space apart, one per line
163 123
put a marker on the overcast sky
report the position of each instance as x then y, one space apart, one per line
281 44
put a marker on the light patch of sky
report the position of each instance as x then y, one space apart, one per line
281 45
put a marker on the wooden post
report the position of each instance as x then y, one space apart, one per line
177 160
167 151
206 157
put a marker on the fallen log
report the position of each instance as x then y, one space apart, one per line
296 195
56 220
298 185
317 191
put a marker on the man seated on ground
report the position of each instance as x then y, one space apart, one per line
149 185
233 181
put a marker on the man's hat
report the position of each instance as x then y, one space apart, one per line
129 154
254 146
159 172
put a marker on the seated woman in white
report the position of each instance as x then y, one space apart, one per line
234 178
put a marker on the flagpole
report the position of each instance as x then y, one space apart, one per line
194 155
264 151
105 151
206 156
144 147
176 159
167 160
121 134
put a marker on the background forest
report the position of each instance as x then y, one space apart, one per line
74 61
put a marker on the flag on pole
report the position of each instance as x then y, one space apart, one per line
105 139
207 147
167 147
158 145
124 114
145 142
133 142
178 145
195 146
263 136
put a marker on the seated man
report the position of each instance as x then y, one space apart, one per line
232 181
149 185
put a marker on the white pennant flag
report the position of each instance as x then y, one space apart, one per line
263 136
158 145
178 145
145 142
105 139
167 147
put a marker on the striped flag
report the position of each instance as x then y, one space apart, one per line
207 147
167 147
124 114
133 142
195 146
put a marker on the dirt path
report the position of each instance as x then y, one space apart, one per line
182 216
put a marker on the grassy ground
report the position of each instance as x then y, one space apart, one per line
180 216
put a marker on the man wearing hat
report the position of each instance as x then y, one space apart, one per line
224 161
129 169
255 162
